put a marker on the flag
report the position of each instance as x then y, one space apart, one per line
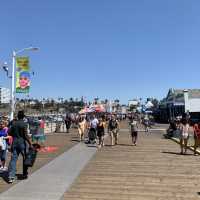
22 75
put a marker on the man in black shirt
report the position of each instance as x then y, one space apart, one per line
68 123
19 132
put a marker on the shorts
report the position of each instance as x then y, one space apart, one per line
38 138
134 134
184 136
113 132
100 134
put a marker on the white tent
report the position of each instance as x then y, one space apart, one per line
148 105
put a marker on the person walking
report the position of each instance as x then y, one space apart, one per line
134 131
68 122
100 132
38 136
146 124
196 129
82 128
172 129
19 132
92 130
113 127
184 136
94 122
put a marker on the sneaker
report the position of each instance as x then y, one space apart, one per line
5 168
11 180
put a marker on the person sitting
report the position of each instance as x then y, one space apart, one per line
171 129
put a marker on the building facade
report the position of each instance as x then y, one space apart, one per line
4 95
178 102
133 102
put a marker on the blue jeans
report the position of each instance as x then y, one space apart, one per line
17 148
3 154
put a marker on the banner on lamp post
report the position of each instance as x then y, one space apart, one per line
22 75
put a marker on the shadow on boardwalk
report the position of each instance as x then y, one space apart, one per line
175 153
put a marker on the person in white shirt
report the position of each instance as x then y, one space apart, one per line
92 133
94 122
184 136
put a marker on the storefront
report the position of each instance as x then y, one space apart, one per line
177 103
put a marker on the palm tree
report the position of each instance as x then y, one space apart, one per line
71 99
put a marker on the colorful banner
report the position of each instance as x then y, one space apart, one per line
22 75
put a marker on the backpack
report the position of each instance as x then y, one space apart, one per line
30 157
113 124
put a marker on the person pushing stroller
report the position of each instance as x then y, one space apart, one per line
92 133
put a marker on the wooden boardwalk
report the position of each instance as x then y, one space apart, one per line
152 170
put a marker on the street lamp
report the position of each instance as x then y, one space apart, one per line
5 68
14 54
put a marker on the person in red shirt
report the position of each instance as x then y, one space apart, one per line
196 128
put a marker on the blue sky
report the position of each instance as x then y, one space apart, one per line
109 48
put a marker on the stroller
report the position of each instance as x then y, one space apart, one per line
92 135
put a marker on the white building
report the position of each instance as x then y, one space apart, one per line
192 100
178 102
133 102
124 109
4 95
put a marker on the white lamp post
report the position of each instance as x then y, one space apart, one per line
14 54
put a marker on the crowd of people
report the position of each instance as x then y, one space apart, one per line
183 129
21 134
94 127
91 129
